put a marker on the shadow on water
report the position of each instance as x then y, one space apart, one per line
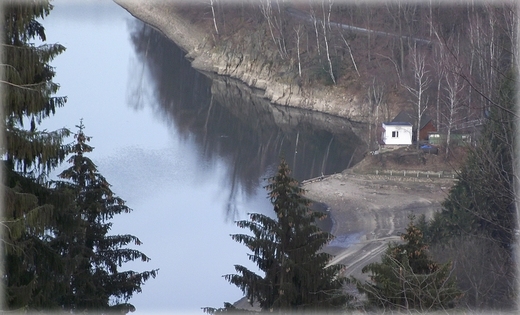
234 123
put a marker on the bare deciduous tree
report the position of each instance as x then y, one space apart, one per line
376 97
397 11
368 20
448 71
453 103
314 20
483 270
325 23
275 24
419 85
350 53
211 3
298 32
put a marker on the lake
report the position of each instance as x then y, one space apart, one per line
188 151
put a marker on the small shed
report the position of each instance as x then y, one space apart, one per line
426 125
397 133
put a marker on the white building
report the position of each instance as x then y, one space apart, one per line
397 133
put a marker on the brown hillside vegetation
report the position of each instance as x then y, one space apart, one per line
409 158
445 61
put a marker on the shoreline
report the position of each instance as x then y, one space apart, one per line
157 14
361 195
359 198
375 207
200 51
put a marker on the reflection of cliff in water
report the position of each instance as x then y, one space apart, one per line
228 121
313 143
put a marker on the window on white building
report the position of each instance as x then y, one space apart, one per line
395 134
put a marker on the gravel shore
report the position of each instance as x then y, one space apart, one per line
369 211
159 15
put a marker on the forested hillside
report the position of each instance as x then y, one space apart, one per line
445 61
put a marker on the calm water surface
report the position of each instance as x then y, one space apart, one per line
188 153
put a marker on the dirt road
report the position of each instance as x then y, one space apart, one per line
369 211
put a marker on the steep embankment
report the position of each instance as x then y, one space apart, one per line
244 60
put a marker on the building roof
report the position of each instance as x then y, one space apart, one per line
407 116
397 123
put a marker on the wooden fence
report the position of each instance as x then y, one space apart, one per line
412 173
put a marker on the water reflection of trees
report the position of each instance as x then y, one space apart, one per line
228 121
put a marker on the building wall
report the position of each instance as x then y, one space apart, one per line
397 135
429 127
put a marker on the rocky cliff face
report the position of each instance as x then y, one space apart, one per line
253 66
245 60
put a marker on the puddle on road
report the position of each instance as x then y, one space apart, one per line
346 240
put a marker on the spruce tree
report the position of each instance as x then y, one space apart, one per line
480 214
407 278
288 250
93 257
482 201
28 155
29 90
